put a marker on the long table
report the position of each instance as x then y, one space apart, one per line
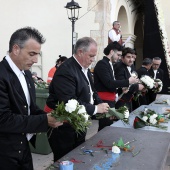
160 100
153 147
157 108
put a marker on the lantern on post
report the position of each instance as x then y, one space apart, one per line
73 14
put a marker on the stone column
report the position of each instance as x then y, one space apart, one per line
102 12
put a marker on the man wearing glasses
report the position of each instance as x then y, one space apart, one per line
156 73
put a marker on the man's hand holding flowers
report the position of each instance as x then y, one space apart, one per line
52 122
102 108
72 113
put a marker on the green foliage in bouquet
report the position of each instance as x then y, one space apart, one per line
72 113
121 113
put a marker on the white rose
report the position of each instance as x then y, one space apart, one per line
168 101
82 109
154 116
115 149
71 105
86 116
152 120
126 114
145 118
134 75
145 111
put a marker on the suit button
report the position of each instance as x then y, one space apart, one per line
21 142
25 106
19 151
23 134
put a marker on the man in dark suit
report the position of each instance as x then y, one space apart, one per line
104 79
19 114
156 73
73 80
143 70
123 71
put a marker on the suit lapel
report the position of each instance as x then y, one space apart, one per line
127 72
15 83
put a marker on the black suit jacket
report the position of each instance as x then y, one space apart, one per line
104 79
142 71
14 119
69 82
159 74
122 73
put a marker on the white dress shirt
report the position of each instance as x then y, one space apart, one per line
113 36
155 71
85 70
129 69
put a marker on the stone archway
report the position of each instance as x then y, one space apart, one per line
125 29
122 17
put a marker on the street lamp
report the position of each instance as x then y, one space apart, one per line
73 13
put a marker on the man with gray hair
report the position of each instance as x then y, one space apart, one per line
73 80
19 114
115 33
156 73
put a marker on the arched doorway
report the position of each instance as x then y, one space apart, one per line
138 31
122 18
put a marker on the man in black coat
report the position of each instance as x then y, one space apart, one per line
123 71
142 71
156 73
104 79
73 80
19 114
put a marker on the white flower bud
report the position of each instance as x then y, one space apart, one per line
126 114
145 118
115 149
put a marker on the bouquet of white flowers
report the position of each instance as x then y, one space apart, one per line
147 81
74 114
159 86
150 118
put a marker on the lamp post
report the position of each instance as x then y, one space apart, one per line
73 13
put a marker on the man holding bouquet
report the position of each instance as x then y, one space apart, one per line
104 79
156 73
19 114
73 80
123 71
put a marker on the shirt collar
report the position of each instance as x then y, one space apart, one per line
15 69
82 68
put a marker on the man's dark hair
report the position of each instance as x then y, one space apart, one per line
127 50
115 46
84 43
20 36
147 61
